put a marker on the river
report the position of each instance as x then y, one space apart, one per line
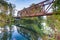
10 34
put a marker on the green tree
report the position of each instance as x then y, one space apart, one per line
5 8
54 20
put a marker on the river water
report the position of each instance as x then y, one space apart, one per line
12 34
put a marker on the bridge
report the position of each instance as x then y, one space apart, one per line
36 9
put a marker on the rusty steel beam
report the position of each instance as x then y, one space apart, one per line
35 15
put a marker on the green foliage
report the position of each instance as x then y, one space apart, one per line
56 6
4 18
55 19
34 24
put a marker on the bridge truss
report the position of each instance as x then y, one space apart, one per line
45 6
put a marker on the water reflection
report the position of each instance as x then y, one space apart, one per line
16 35
8 33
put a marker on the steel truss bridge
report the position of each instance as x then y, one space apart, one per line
45 7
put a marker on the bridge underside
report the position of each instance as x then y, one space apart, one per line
35 15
